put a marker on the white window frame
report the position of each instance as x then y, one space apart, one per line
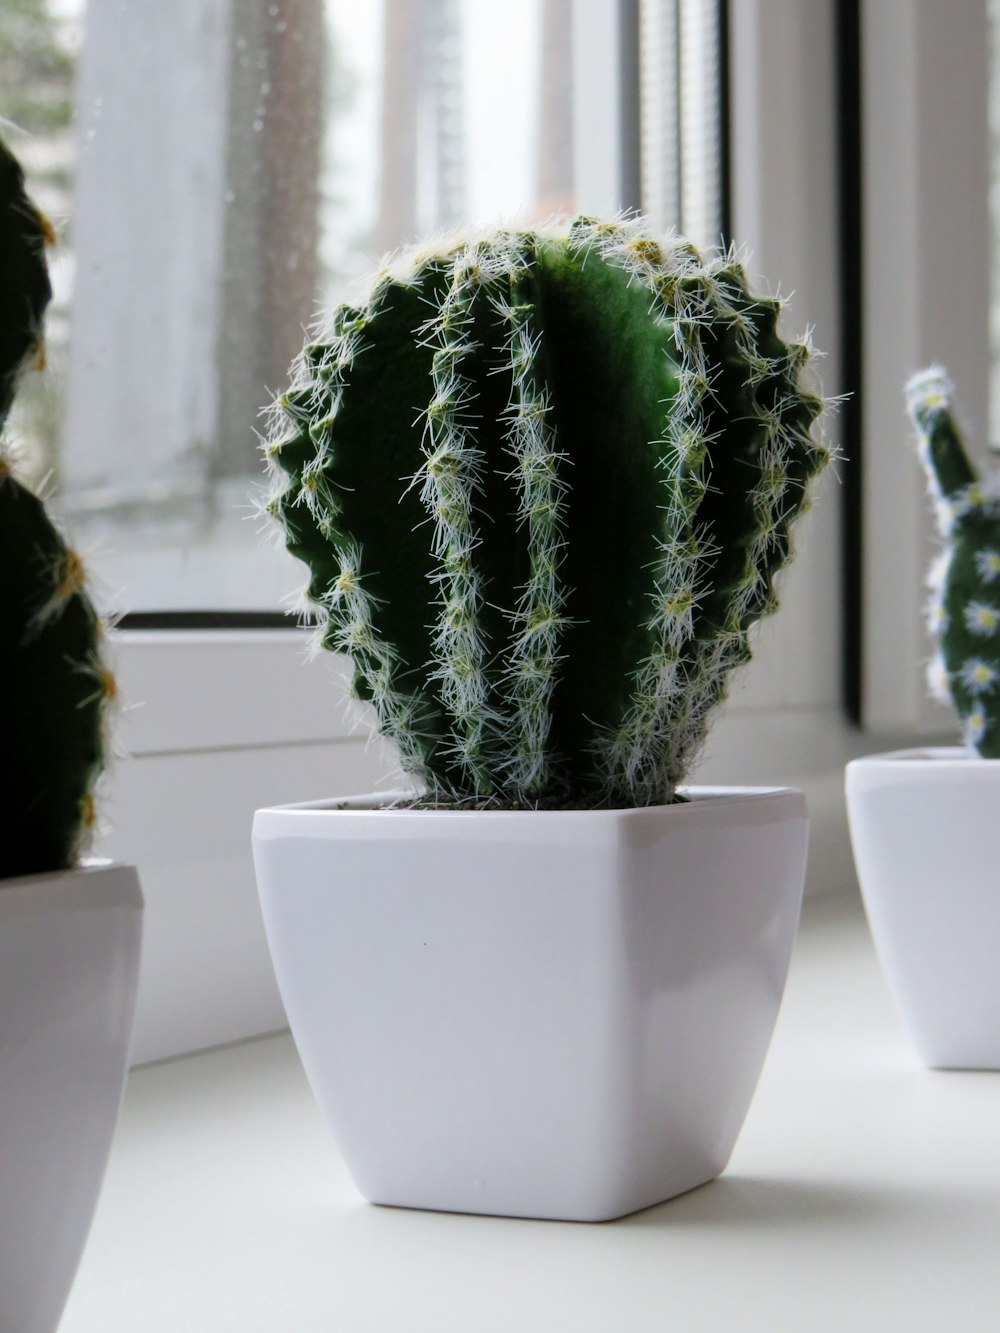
242 711
926 255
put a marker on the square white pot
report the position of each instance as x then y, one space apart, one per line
925 826
69 967
542 1014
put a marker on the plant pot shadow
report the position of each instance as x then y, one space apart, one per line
743 1202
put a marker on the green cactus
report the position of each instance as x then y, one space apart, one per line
543 483
55 682
964 607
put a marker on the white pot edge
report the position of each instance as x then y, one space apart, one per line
371 813
111 882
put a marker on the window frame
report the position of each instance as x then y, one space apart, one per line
925 145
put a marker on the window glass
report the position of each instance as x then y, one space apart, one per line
39 48
682 115
993 14
220 170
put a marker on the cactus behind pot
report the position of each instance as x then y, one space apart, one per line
543 483
964 610
55 683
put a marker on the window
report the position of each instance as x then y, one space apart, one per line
233 166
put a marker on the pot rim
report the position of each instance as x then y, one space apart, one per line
386 803
93 875
955 757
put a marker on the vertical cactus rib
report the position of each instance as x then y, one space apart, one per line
317 451
563 468
611 375
738 457
644 754
964 607
451 482
539 617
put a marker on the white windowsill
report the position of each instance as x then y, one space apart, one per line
863 1195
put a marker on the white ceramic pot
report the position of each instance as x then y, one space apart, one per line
69 961
558 1015
925 825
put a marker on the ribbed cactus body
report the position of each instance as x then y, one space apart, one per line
964 609
55 684
543 483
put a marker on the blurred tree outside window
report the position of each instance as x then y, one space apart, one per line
39 42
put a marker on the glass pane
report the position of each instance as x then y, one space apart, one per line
39 47
231 167
993 13
681 117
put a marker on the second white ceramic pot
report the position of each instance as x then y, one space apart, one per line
558 1015
69 967
925 826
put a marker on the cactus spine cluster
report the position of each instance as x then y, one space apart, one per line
55 683
964 606
543 482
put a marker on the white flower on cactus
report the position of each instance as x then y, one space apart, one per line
979 497
937 616
975 727
984 494
944 514
938 572
978 676
988 565
982 618
931 388
970 497
937 680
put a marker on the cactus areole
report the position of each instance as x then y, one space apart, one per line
55 684
964 607
543 482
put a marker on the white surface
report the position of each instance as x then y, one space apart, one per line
195 690
864 1194
69 958
555 1014
597 109
185 819
927 842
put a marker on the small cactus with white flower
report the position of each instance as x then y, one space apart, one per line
964 605
543 482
